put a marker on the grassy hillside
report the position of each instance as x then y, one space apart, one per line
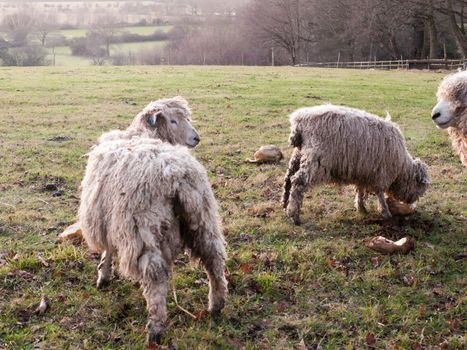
316 286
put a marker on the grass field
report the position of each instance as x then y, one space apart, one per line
310 287
136 47
64 57
141 30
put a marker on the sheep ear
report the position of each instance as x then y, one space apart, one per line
153 118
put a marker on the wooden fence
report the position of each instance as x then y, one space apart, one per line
430 64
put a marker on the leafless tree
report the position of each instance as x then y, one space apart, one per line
44 25
18 27
106 29
282 23
457 17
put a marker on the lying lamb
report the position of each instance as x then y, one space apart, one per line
348 146
451 111
145 201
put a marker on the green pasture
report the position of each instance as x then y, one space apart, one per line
315 286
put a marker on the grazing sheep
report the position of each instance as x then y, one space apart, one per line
348 146
451 111
145 201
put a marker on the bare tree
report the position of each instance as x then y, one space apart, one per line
106 29
282 23
18 27
458 29
44 25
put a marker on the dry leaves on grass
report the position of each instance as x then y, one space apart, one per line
370 339
43 305
246 268
386 246
260 212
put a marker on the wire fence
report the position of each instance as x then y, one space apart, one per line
430 64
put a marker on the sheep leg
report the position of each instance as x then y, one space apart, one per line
360 197
383 205
155 274
212 256
300 182
217 284
104 269
294 166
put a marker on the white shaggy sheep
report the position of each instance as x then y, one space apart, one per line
166 119
348 146
451 111
145 201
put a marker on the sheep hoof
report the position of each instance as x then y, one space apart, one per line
216 311
102 282
297 221
154 335
362 210
387 216
215 314
295 216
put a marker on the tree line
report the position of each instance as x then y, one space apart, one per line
267 32
298 31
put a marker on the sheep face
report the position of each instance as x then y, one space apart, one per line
168 120
412 186
452 101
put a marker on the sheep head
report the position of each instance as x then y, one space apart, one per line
412 184
168 120
452 101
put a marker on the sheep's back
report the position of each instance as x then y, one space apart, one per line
352 145
129 187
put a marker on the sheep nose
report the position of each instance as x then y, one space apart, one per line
436 115
197 140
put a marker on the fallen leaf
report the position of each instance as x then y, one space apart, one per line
35 328
416 346
42 305
151 346
301 345
66 320
409 280
331 262
43 261
386 246
421 310
200 315
370 339
281 307
16 301
375 260
85 296
246 268
72 234
453 324
444 345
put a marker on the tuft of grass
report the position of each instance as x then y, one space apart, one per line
316 283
